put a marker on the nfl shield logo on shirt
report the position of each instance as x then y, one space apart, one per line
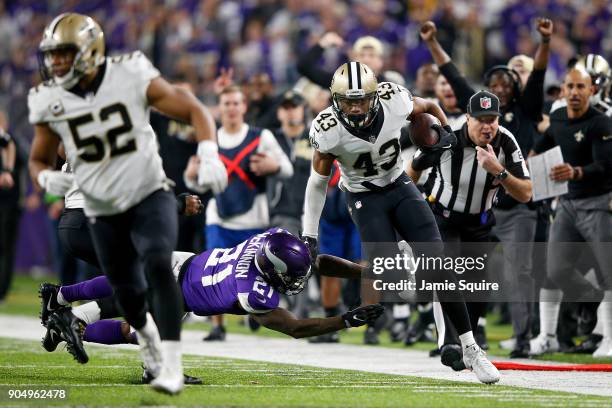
56 108
485 102
358 204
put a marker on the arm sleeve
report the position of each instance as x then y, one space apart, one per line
270 146
307 66
462 89
314 201
532 97
601 148
544 143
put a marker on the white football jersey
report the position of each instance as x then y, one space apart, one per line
375 161
109 142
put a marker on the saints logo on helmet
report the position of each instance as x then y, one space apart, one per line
599 70
597 67
354 95
79 34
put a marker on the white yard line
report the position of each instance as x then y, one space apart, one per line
342 356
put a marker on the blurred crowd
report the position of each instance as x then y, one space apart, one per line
257 45
190 40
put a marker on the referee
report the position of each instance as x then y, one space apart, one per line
464 181
521 109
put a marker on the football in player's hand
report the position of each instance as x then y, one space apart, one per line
420 130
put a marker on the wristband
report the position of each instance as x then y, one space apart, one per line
502 175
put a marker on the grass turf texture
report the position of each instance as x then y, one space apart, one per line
23 300
112 376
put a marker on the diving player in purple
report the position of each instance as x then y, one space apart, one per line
245 279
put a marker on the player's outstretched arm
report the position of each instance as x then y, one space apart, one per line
284 321
329 265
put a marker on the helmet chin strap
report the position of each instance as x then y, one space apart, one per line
357 120
67 81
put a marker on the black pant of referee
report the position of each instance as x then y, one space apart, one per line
470 229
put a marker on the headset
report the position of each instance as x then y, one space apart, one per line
514 76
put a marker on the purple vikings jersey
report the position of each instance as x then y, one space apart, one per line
226 280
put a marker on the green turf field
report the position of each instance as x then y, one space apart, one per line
111 378
23 300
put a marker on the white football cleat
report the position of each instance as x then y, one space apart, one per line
476 359
544 343
508 344
170 380
150 346
604 349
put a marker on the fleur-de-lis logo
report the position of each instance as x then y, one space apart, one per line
579 136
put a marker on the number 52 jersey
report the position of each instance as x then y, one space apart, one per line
366 163
109 142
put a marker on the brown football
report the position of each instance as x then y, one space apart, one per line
420 131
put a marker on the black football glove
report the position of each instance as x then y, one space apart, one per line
181 203
313 247
447 139
362 315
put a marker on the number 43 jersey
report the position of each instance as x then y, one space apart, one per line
226 280
371 160
107 136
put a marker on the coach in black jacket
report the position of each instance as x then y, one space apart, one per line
520 113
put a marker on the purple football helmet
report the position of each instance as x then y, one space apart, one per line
284 261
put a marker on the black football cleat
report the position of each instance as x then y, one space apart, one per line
51 340
187 379
589 345
370 337
480 335
253 324
333 337
216 334
71 330
48 300
398 331
452 356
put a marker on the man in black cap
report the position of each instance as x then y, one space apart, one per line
464 181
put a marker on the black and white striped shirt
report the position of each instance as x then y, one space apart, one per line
458 183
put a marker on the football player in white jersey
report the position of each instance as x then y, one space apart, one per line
99 108
361 131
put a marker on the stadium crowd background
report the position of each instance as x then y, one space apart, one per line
191 41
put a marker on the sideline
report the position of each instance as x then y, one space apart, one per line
349 357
